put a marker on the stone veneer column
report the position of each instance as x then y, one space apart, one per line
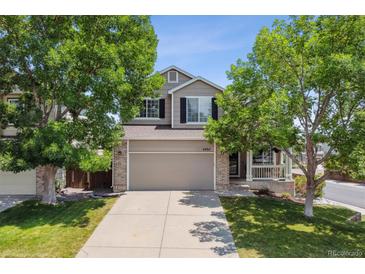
120 173
222 170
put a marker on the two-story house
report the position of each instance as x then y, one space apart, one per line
164 147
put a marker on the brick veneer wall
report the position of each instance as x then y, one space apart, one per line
222 170
120 167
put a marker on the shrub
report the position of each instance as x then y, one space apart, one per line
285 195
300 187
263 191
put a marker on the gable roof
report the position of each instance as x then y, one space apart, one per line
177 69
199 78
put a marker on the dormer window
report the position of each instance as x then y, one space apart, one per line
172 76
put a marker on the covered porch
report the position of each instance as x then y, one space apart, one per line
271 169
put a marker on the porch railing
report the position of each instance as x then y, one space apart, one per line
268 172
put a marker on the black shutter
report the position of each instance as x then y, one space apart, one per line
162 108
214 110
182 110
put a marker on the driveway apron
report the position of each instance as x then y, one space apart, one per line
163 224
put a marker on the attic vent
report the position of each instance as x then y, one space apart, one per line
172 76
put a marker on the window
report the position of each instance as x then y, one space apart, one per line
150 109
198 109
172 76
263 157
14 101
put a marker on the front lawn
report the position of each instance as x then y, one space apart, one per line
264 227
31 229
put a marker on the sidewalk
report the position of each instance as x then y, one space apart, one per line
324 201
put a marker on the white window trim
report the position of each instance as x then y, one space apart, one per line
239 167
196 123
177 77
150 118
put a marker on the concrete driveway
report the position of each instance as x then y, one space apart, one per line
8 201
163 224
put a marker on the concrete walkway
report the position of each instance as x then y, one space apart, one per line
163 224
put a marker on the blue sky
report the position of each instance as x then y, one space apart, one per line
206 45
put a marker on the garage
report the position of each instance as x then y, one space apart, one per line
23 183
170 165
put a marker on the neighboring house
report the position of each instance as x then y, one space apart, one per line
321 150
164 147
23 183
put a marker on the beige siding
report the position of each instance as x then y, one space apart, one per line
197 88
175 146
23 183
163 93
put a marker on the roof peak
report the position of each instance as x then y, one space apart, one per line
177 69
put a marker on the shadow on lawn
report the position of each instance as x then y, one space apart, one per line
279 229
32 213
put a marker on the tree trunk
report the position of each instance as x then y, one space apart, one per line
308 207
311 173
49 186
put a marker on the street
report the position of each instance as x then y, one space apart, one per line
347 193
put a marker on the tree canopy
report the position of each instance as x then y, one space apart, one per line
301 86
77 77
76 74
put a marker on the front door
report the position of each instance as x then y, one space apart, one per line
234 165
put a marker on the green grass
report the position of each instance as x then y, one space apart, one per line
32 229
264 227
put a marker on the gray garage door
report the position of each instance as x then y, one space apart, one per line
171 165
23 183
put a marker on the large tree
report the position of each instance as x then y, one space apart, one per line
301 86
78 75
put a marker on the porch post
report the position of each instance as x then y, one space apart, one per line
288 166
249 165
